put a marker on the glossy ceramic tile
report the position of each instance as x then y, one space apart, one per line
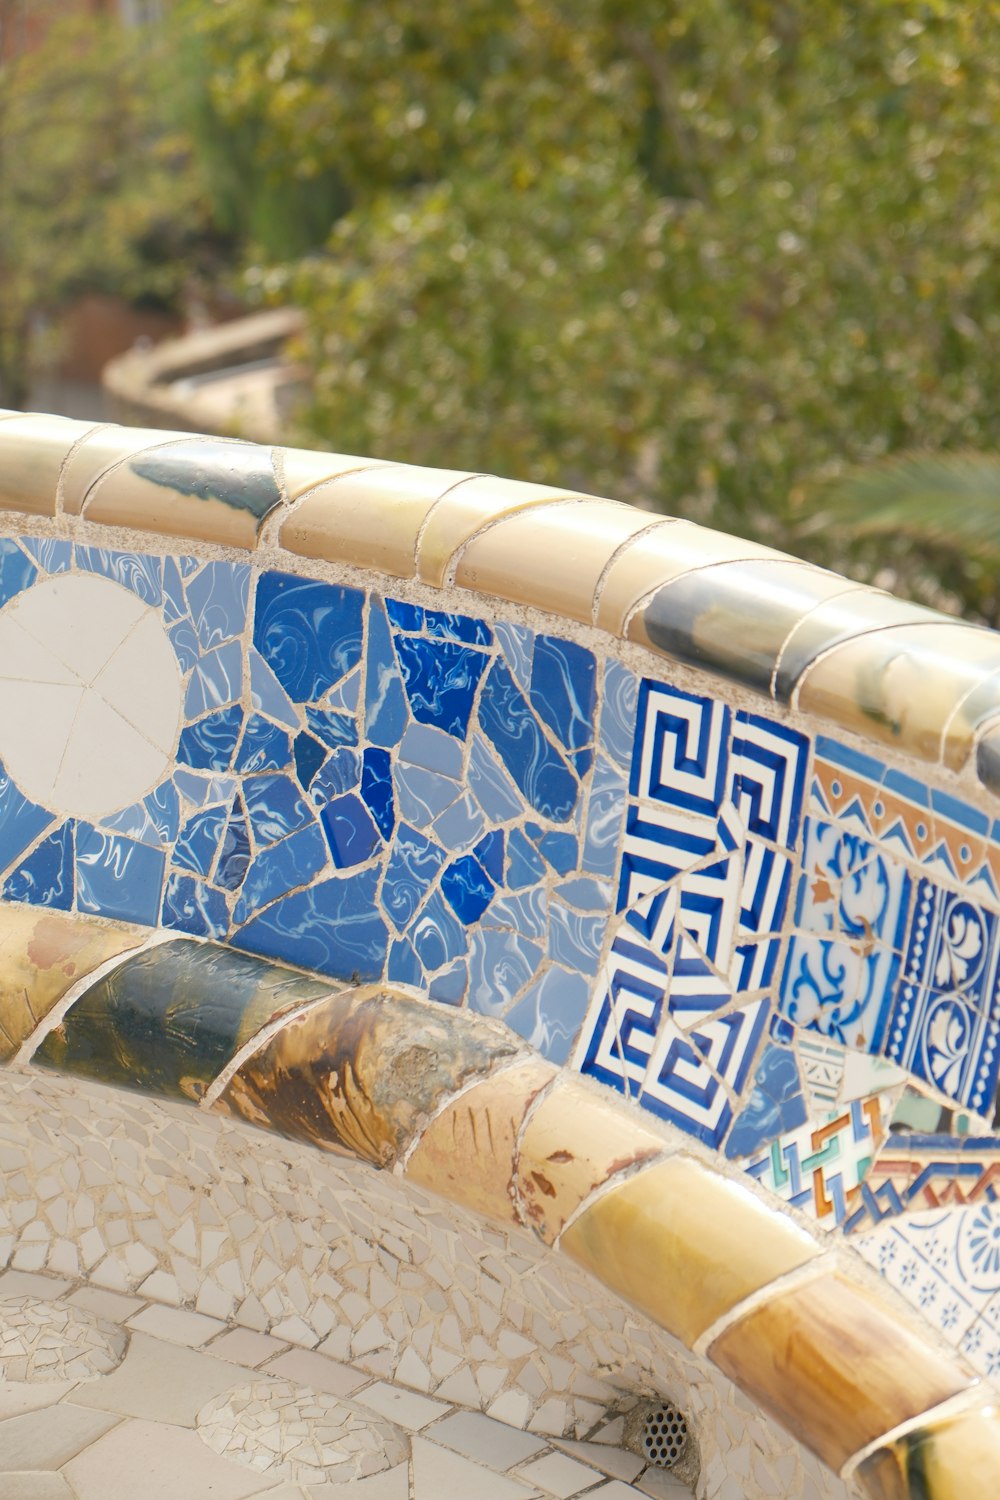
34 450
824 1358
711 1241
953 1456
468 507
302 469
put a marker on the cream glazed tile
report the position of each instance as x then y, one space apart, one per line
49 1438
35 1486
104 1304
241 1346
619 1463
177 1325
405 1408
394 1484
484 1440
17 1397
160 1381
558 1475
159 1462
438 1473
316 1370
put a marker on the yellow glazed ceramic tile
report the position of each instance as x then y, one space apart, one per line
673 548
551 557
834 1367
951 1458
901 686
42 955
33 451
371 517
571 1145
467 1153
100 452
685 1244
303 469
469 507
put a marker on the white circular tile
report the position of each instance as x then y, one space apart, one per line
90 695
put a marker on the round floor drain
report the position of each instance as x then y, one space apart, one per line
664 1436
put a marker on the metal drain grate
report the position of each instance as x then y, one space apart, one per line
664 1436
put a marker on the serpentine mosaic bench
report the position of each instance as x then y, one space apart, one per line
647 888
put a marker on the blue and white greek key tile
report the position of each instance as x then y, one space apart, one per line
620 1029
691 1074
681 755
770 764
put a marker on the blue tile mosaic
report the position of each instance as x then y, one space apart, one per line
216 680
217 597
197 846
564 689
21 821
618 710
436 934
308 633
275 807
440 679
412 868
51 554
332 927
210 743
340 773
550 1013
490 784
234 854
332 729
346 695
267 695
282 868
501 965
467 888
776 1104
17 572
45 877
309 755
385 716
535 766
141 575
266 747
350 831
376 788
117 877
192 906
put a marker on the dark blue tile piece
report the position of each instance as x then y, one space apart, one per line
184 640
385 702
199 840
517 643
423 795
45 878
414 620
333 927
347 694
526 912
200 788
432 749
621 695
582 760
536 767
564 689
525 865
217 597
275 807
332 728
460 825
267 695
190 905
441 678
17 571
216 680
116 877
309 756
449 987
376 788
500 966
489 852
403 616
210 743
237 475
350 832
174 599
404 965
551 1013
21 821
490 785
561 850
467 888
586 894
308 633
51 554
776 1104
436 935
234 856
781 1031
575 938
412 867
141 574
849 759
342 773
265 747
605 816
281 868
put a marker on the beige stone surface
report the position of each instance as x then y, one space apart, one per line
156 1461
49 1438
161 1381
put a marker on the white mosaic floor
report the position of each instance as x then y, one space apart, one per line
192 1408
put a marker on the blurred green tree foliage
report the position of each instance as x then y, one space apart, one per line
698 254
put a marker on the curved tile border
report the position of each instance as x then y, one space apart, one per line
438 1096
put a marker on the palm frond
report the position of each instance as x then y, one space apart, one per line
947 499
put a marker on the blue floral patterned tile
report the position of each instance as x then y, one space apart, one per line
198 844
461 824
50 553
333 927
850 888
386 714
376 788
490 784
605 818
449 987
467 888
217 598
45 877
525 912
116 877
350 831
21 821
440 678
433 749
574 939
436 934
549 1015
411 869
265 747
841 991
141 574
216 680
501 964
275 807
308 633
564 689
234 855
190 905
281 868
209 744
535 766
423 795
618 710
776 1104
267 695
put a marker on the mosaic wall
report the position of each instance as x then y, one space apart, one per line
785 947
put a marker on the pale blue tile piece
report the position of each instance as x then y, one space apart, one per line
350 831
525 865
51 554
404 965
189 905
21 821
216 680
340 774
184 640
550 1015
490 784
437 935
174 598
423 745
17 571
422 795
293 862
575 938
346 694
526 912
198 843
564 689
500 965
217 598
332 927
460 825
586 894
536 767
605 817
621 692
154 820
561 850
264 746
136 571
449 987
412 867
386 714
267 695
275 807
517 643
116 877
202 789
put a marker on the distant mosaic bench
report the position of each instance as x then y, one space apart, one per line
703 823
